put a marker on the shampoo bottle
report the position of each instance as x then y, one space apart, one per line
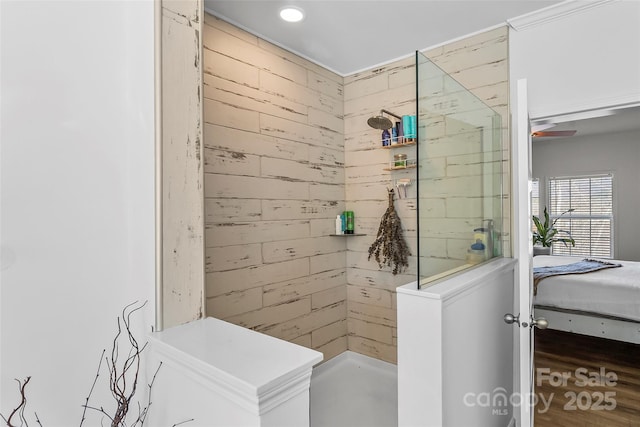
414 127
386 138
338 224
394 136
349 229
406 128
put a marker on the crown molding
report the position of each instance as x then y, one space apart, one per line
609 103
552 13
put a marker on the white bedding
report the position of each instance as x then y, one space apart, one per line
612 291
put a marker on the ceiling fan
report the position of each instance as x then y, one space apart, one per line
553 133
539 130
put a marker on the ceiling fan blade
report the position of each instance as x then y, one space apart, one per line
552 133
542 125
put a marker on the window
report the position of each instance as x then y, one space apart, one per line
591 222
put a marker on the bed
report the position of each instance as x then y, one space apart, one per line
604 303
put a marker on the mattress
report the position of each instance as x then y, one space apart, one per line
610 292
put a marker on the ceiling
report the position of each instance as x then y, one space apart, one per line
347 36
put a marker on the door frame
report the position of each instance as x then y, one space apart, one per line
522 247
523 252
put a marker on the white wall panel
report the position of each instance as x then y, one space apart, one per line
585 60
77 195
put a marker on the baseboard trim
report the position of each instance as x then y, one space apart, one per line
353 357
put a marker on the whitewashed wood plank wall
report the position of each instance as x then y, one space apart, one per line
182 163
479 63
274 183
287 147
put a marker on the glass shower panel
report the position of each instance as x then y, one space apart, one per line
459 176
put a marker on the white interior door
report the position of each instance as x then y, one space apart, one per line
523 355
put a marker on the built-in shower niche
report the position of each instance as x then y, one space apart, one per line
460 176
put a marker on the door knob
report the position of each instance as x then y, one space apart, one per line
511 319
540 323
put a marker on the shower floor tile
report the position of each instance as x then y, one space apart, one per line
352 390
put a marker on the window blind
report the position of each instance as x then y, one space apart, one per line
591 222
535 201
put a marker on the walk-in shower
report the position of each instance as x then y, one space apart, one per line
460 176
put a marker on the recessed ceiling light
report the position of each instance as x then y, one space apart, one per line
292 14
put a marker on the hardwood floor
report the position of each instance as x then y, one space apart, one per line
590 382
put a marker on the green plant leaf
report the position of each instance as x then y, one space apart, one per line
546 233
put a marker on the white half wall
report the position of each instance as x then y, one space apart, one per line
455 364
77 194
584 60
222 375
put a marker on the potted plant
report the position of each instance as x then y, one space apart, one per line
546 234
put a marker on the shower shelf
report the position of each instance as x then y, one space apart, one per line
397 168
348 235
393 165
403 144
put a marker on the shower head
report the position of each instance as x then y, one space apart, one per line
381 122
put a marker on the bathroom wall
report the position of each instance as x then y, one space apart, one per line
76 197
282 158
182 244
595 65
274 183
479 63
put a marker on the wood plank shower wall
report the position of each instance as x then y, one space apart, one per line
274 183
480 63
287 147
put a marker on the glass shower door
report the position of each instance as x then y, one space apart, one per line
460 175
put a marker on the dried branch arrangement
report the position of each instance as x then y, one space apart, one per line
390 243
123 377
123 381
19 410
